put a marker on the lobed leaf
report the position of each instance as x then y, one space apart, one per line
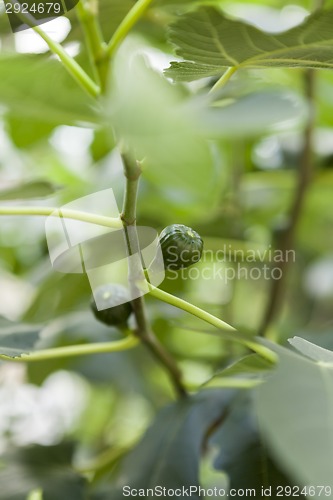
211 42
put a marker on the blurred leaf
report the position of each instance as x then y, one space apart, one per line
68 292
157 122
266 195
71 329
314 232
295 412
81 328
5 323
40 89
77 327
191 3
242 454
111 13
18 339
324 98
311 350
28 190
38 371
35 495
271 109
322 337
25 132
251 370
102 143
5 28
212 42
44 467
169 453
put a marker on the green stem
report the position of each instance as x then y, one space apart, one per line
190 308
73 68
132 171
101 220
87 12
75 350
229 332
230 383
132 174
127 24
224 78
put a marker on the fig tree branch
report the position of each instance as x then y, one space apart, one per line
132 171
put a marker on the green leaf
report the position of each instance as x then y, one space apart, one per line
242 453
157 121
246 372
295 408
41 467
18 339
25 132
272 109
38 88
190 71
210 42
28 190
169 453
250 370
312 351
69 291
35 495
102 144
82 328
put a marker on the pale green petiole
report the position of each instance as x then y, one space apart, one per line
75 350
229 332
127 24
101 220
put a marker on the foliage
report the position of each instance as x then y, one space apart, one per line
197 114
212 42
